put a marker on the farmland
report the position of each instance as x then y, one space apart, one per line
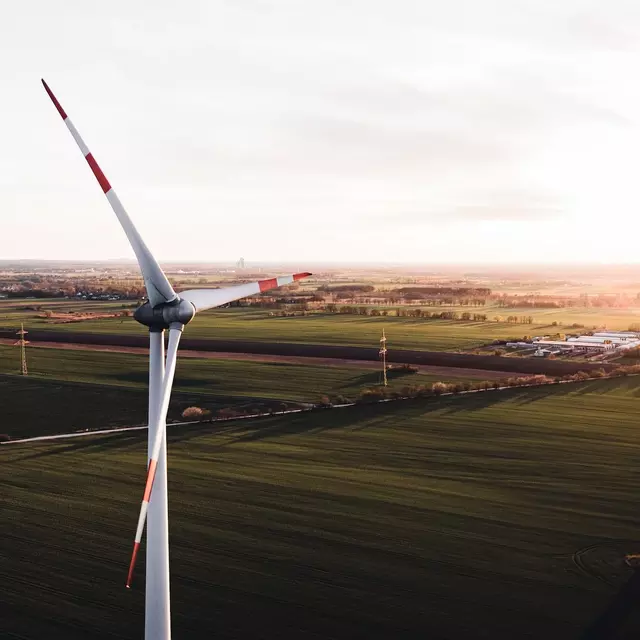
444 519
331 329
68 388
428 307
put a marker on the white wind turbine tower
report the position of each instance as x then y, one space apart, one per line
165 310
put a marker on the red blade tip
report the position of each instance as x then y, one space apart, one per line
58 106
299 276
132 564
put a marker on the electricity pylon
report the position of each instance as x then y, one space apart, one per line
23 352
383 353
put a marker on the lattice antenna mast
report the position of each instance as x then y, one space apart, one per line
23 352
383 353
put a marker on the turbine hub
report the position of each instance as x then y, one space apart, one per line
162 316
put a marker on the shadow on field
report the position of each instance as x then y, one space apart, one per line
483 400
629 385
89 444
142 378
362 416
528 395
365 415
375 377
299 424
619 616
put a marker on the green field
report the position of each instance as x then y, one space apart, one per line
455 518
66 388
258 325
226 377
334 329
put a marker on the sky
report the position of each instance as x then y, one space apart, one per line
336 130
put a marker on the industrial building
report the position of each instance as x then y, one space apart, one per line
599 342
575 344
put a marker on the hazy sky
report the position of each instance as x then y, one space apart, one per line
417 131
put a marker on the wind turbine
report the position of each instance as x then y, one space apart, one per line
165 310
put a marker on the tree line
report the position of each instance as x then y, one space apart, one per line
371 395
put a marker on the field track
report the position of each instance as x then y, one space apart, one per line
423 358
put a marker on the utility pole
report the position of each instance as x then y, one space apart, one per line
383 353
23 352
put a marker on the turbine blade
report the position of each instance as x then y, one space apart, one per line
159 289
160 429
203 299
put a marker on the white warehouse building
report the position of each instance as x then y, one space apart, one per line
616 341
574 344
623 335
599 342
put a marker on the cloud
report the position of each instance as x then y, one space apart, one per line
516 212
333 114
509 205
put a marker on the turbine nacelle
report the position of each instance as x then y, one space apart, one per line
165 315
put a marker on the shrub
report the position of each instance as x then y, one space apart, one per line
577 377
405 368
627 370
539 379
195 413
438 388
372 394
398 370
324 403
